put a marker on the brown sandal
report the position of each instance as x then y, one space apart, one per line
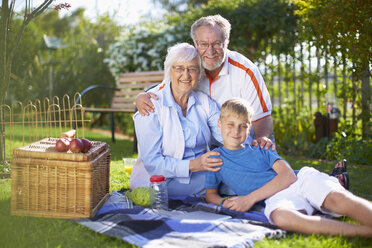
344 180
339 168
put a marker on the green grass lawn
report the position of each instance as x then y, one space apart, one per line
19 231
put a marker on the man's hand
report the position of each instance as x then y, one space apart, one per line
239 203
264 142
144 104
205 163
263 128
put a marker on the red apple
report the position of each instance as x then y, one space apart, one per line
87 145
76 145
62 144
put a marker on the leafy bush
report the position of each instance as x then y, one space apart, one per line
352 147
141 48
318 150
293 132
355 149
38 71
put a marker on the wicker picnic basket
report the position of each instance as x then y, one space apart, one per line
47 183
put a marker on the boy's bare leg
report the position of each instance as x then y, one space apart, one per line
295 221
348 204
340 202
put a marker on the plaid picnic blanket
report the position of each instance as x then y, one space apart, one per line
190 222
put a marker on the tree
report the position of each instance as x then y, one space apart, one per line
7 51
344 26
78 65
82 63
180 5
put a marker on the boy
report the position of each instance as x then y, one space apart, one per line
257 174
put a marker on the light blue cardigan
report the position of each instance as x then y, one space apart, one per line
173 143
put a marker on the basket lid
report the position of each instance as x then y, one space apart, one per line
45 149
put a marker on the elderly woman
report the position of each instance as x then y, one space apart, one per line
173 141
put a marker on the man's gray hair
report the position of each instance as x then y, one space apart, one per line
181 52
214 21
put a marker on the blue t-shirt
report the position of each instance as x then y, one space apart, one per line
243 170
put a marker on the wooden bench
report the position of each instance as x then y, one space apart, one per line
123 101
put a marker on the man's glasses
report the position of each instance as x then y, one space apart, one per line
204 45
191 70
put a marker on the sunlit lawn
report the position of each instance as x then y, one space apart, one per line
39 232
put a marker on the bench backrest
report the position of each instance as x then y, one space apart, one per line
130 85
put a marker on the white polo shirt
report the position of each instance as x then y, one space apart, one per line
239 77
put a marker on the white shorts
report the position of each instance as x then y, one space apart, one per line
307 193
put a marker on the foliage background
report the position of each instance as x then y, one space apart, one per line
75 67
283 37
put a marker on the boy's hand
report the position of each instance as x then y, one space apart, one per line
206 163
239 203
264 142
143 103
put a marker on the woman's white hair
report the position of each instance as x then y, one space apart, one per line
181 52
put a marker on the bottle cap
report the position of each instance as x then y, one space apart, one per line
157 178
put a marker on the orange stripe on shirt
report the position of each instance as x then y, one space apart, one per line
254 80
162 86
211 80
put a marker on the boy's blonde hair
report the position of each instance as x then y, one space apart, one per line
237 106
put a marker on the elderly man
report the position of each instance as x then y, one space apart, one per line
227 74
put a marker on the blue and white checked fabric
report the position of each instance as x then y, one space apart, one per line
190 223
